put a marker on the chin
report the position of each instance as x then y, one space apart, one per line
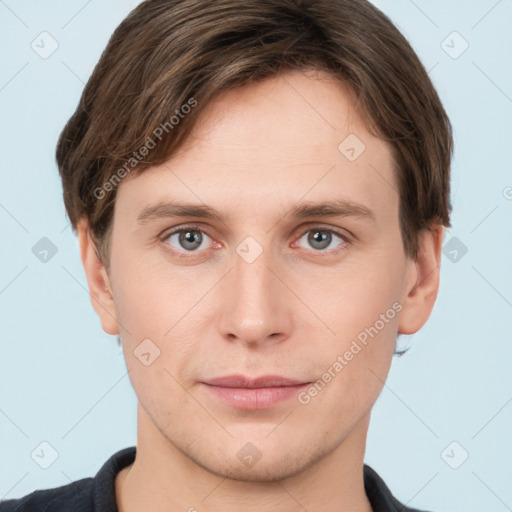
248 464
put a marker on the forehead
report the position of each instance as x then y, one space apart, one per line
273 142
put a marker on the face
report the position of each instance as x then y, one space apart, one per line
257 339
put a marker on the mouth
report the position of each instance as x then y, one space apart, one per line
253 393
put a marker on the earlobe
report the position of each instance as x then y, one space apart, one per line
423 282
100 290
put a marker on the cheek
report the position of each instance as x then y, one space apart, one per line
151 299
358 298
361 308
159 325
351 379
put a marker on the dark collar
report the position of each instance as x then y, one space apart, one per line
379 495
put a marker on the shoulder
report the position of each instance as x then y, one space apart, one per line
379 495
86 495
77 496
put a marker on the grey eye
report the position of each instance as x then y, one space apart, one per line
320 239
188 239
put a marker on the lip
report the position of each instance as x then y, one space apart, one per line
265 381
254 393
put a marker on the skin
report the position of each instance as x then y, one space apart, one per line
258 151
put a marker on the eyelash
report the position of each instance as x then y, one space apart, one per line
192 227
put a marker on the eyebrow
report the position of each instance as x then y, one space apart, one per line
333 208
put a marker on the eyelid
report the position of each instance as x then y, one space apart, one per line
303 229
343 233
183 227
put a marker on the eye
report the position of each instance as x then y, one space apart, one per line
191 239
188 239
321 238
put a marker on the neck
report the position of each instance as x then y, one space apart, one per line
162 478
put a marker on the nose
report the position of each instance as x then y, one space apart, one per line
255 304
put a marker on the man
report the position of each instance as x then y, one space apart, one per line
259 190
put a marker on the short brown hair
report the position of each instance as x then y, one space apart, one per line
169 53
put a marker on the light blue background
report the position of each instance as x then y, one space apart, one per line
63 380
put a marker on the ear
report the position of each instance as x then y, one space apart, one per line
422 283
100 290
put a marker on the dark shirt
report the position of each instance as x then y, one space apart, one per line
98 494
